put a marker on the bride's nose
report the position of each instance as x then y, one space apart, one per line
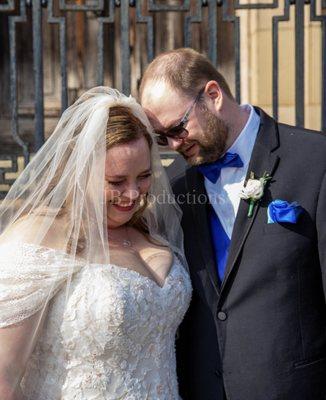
132 192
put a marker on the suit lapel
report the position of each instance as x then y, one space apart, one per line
262 160
195 186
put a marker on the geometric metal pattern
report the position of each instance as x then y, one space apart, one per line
10 167
116 23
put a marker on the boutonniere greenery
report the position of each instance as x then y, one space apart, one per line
253 190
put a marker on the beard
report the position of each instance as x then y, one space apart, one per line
213 144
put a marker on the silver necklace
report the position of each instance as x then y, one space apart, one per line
126 242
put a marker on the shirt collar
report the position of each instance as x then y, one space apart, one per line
244 143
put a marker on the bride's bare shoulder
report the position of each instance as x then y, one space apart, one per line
37 229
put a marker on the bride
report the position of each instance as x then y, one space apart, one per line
93 281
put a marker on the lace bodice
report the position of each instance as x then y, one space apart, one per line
112 339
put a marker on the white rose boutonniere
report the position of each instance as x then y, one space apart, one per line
253 190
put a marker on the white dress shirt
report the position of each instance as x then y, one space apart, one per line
224 194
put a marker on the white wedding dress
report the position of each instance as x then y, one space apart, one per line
114 338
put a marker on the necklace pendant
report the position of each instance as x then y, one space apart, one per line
126 243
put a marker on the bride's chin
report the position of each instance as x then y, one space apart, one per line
115 225
114 222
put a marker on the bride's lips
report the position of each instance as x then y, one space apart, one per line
119 207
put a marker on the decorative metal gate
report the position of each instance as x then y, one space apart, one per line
52 50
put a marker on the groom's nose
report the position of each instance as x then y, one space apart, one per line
175 144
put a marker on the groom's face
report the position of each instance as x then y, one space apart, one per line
207 134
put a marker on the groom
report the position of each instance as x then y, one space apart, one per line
256 327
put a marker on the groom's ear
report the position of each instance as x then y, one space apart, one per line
214 94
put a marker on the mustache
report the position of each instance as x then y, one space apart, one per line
187 146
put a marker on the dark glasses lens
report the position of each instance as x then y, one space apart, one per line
178 132
162 140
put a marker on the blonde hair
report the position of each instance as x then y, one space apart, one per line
124 127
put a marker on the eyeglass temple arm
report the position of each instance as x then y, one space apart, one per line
186 116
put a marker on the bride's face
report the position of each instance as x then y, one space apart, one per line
127 180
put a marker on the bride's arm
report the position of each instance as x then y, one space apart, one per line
16 344
28 280
23 291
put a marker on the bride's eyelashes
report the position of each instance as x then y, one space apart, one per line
142 177
115 183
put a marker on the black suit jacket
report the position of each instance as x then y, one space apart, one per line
261 334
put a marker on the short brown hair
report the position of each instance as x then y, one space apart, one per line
185 70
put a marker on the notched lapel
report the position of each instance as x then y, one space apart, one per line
195 186
262 160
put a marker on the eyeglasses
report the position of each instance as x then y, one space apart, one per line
179 131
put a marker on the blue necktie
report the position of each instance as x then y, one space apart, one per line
212 171
221 241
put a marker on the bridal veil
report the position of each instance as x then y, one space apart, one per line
58 203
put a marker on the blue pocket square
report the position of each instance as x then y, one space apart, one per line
282 211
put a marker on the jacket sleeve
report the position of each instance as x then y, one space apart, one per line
321 230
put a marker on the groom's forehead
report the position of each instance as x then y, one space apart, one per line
164 115
163 105
154 88
162 120
158 94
